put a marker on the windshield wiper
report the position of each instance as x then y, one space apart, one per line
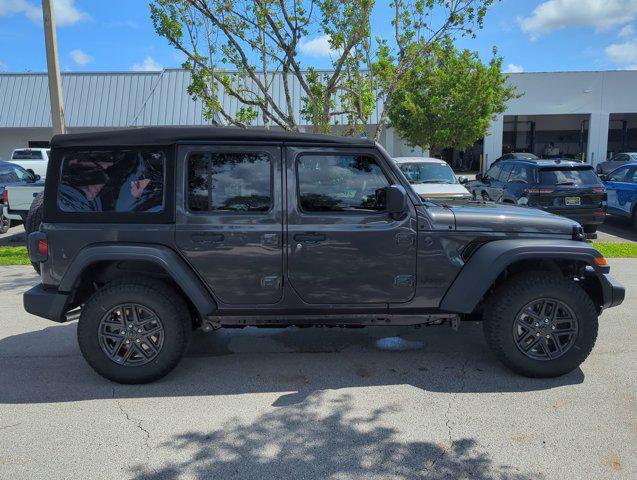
438 181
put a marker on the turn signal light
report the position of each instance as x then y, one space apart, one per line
5 197
601 261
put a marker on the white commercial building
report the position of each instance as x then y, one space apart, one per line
581 114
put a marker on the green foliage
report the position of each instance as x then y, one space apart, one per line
449 99
14 256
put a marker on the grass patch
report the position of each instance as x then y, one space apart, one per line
616 250
14 256
19 255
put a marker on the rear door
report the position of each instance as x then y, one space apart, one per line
229 221
615 184
344 248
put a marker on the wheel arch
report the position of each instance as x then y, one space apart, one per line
494 261
104 263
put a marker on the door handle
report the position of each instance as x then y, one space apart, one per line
207 237
310 237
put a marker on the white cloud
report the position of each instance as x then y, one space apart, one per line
80 58
627 31
602 15
624 54
513 68
66 13
318 47
3 67
148 65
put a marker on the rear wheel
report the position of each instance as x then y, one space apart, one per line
635 219
134 331
540 324
5 223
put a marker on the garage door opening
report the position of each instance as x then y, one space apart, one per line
547 136
622 133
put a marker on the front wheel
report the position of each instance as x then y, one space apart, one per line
134 331
540 324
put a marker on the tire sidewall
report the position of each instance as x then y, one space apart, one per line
175 337
501 328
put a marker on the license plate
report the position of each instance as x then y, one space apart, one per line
572 201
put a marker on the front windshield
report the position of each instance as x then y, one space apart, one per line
434 172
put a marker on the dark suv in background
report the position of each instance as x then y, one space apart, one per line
563 187
149 234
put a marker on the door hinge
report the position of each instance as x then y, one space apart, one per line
404 281
271 281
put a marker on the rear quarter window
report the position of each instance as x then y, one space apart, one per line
568 176
112 181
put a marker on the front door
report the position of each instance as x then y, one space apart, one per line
230 220
343 247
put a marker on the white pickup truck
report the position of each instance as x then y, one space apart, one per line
34 160
17 200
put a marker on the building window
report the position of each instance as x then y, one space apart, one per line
122 181
340 183
229 182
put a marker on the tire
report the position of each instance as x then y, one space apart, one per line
151 297
5 224
34 219
506 304
635 219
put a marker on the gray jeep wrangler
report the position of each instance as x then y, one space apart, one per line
148 234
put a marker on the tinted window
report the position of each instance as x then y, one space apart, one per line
520 173
495 171
566 176
632 176
503 176
27 155
13 174
112 181
618 175
336 183
428 172
235 182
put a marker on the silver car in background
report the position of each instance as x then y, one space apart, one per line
433 178
615 162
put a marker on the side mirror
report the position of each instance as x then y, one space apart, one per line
463 180
35 177
396 200
479 177
603 177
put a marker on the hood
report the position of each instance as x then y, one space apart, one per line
440 190
497 217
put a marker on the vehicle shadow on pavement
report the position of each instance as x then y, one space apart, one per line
324 437
46 366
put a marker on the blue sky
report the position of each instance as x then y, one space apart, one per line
532 35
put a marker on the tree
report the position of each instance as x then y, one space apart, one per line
450 99
244 48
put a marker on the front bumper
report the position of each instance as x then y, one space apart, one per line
45 303
613 291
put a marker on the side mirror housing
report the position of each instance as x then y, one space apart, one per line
35 177
396 200
479 177
463 180
603 177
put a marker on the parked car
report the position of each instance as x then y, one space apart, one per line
432 178
621 186
563 187
34 160
18 198
615 162
516 156
10 176
150 233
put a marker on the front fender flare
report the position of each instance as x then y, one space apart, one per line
166 258
489 261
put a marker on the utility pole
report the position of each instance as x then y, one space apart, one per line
55 83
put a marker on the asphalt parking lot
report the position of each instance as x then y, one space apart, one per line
316 403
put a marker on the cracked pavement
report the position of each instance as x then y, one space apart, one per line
316 404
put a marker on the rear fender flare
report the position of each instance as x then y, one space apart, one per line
164 257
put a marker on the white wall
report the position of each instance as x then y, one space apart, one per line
597 94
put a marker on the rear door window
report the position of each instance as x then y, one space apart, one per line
229 182
568 176
118 181
521 174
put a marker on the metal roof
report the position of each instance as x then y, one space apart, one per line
123 99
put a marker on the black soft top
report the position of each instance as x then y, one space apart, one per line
172 135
